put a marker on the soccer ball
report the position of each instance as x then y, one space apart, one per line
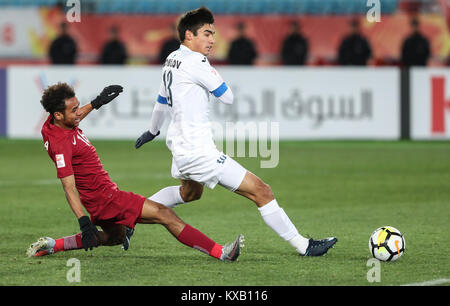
387 243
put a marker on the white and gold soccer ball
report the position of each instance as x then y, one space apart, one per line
387 243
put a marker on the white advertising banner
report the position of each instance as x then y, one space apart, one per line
126 117
307 103
316 103
430 103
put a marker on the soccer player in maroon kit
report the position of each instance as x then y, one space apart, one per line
86 184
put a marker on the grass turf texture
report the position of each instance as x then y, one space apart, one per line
345 189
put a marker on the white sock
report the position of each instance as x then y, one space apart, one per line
300 243
169 196
277 220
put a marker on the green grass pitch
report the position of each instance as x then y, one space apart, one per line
328 188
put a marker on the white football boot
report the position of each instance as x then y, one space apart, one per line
44 246
231 251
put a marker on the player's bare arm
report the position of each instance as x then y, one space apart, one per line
71 116
85 110
70 190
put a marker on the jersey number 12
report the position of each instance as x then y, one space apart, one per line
167 79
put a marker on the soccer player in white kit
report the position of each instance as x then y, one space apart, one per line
187 82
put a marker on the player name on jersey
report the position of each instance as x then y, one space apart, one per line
170 62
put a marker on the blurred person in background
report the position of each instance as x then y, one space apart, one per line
242 50
114 51
354 49
294 50
169 45
416 47
63 50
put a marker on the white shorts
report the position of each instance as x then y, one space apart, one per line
209 170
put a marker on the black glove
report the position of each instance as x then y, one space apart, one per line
107 95
90 237
145 137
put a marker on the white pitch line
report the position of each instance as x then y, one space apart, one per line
433 282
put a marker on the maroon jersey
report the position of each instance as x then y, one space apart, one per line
72 153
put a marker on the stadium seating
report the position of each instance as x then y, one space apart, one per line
28 2
312 7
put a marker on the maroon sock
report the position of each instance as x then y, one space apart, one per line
197 240
68 243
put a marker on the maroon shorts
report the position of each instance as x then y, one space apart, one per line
121 207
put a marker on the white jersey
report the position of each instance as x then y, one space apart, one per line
187 81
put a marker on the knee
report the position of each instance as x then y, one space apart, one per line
162 215
193 194
116 239
268 191
264 193
120 238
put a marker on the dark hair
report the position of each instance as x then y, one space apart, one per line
54 97
194 20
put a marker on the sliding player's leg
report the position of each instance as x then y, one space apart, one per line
111 234
47 245
171 197
153 212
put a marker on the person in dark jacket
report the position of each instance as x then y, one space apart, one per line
170 45
63 50
294 50
354 50
242 50
416 47
114 51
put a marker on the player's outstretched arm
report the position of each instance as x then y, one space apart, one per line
85 110
145 137
108 94
158 117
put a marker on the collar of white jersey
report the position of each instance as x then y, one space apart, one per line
183 47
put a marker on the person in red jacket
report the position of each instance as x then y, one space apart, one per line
87 184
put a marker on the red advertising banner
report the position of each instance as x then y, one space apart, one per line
144 35
430 103
439 105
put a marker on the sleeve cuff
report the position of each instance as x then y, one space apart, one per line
161 100
220 90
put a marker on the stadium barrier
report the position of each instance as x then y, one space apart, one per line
308 103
